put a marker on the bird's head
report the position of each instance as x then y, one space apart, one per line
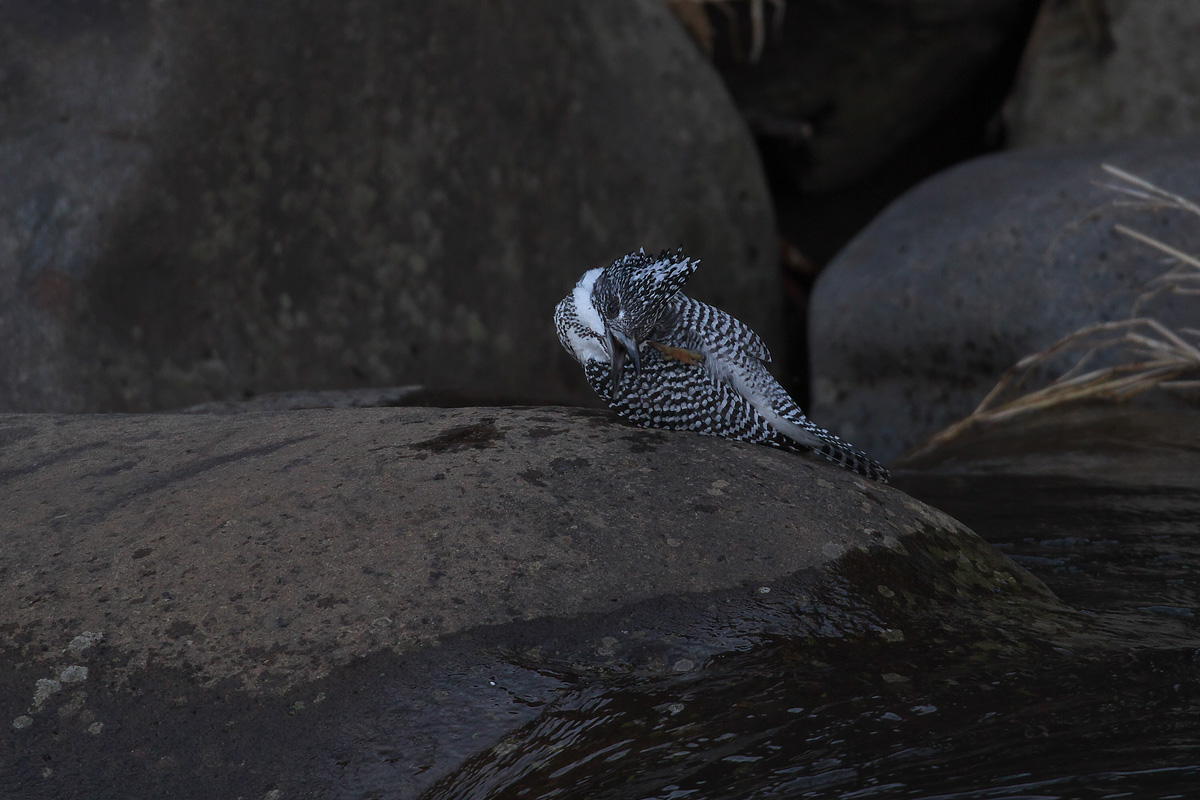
616 308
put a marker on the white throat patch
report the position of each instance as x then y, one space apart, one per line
588 314
580 328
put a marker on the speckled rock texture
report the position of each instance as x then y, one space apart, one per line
919 316
1106 71
201 201
321 536
315 601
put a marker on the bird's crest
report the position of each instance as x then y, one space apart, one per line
633 292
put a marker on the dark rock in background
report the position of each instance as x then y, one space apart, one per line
922 313
1107 70
855 101
852 103
865 77
212 200
307 598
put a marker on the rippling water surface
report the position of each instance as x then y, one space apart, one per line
1110 710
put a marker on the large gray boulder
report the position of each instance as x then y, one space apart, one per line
197 604
326 535
919 316
1107 71
210 200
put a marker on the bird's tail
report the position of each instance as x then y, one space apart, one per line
808 435
846 455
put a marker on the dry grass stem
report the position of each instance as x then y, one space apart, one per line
1147 190
1157 245
1147 354
691 14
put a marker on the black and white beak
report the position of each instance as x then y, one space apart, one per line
622 347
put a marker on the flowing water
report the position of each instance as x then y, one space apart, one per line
1102 702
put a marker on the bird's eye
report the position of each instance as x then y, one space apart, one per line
611 308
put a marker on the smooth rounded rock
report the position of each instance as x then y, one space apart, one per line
201 201
321 536
921 314
1108 71
314 601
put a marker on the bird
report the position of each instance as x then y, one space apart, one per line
664 360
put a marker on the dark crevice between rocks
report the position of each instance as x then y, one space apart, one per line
820 221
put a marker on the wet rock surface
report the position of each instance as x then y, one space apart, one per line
319 598
919 317
1101 503
203 201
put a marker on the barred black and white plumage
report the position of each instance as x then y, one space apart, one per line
695 367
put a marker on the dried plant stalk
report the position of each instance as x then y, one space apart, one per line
1149 354
691 13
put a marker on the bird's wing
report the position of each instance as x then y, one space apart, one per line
671 394
718 331
734 356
